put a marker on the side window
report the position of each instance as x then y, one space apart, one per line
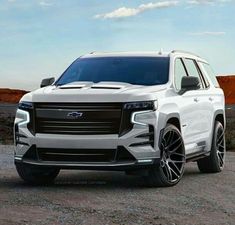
207 84
203 76
210 73
179 73
192 70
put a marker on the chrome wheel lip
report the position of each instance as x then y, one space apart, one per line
172 156
220 147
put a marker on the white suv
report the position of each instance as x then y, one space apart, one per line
146 113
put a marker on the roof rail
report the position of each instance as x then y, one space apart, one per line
96 52
160 51
186 52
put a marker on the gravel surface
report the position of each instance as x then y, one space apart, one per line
101 198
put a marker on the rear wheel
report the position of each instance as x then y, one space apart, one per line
214 163
172 162
36 175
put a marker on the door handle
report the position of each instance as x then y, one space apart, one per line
211 99
196 100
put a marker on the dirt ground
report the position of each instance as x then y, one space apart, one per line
102 198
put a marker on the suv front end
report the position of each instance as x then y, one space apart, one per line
86 135
101 114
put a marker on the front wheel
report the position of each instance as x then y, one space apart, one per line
35 174
214 163
172 162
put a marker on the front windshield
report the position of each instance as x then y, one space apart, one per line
132 70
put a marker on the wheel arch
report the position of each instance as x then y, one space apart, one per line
220 116
163 119
172 118
174 121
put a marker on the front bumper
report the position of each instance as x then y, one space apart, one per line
124 166
142 155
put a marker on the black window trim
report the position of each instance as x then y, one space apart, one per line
199 72
203 76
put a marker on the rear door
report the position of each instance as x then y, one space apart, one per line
214 95
201 123
189 108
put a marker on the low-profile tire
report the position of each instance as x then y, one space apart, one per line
36 175
172 162
214 163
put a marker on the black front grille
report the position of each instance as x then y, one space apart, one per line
77 155
78 118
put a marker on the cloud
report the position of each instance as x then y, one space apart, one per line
208 33
45 4
206 2
199 2
128 12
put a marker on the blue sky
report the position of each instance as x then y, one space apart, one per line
40 38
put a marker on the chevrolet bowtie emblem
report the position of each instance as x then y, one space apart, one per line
74 115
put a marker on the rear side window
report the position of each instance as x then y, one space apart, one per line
210 73
192 69
179 73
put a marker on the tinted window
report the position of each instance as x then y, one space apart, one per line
133 70
179 73
192 69
210 73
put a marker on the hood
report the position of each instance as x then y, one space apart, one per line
94 92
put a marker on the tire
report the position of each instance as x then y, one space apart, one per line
36 175
171 168
214 163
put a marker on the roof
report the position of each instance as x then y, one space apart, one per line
125 54
142 54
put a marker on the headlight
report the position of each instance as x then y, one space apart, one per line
25 105
137 106
25 115
130 114
141 111
22 117
143 118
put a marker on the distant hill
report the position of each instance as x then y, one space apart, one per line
227 83
11 95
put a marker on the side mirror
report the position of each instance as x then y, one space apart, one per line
189 83
46 82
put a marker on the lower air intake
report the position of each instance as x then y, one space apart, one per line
77 155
